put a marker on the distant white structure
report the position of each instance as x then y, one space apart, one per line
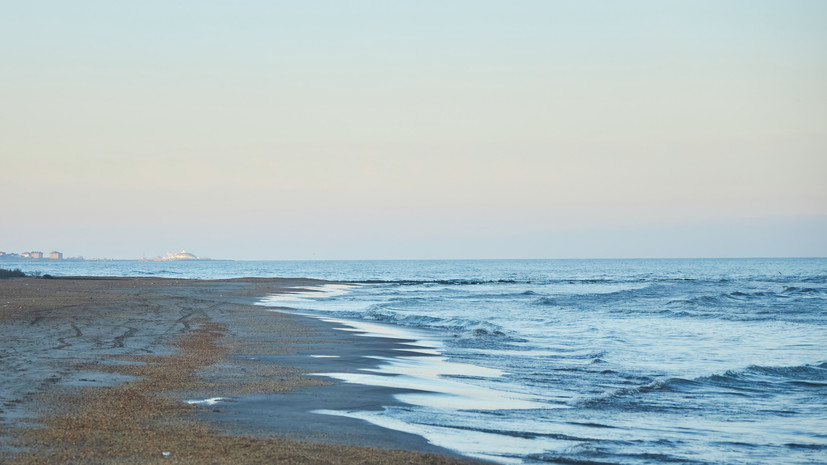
184 255
54 255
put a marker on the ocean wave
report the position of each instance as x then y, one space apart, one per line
615 396
545 301
724 298
162 272
625 295
754 380
795 445
461 328
412 301
802 290
559 459
537 281
497 296
738 305
444 282
766 380
761 298
755 374
612 452
800 372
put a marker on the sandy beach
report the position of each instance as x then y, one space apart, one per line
99 370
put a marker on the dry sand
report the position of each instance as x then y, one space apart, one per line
96 370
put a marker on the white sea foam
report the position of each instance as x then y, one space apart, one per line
433 377
210 401
309 295
475 444
428 372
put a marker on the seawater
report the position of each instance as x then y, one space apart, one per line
580 361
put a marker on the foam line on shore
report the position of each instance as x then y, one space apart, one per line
475 444
423 367
425 377
210 401
308 294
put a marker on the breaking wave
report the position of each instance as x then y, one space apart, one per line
752 381
462 328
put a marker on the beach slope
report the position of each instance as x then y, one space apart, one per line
100 369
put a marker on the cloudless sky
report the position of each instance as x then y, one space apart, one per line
414 129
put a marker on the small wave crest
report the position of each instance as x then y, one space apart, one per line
723 298
815 279
461 328
545 301
791 303
801 290
753 380
610 397
444 282
816 372
578 299
575 281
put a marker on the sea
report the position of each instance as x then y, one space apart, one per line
649 361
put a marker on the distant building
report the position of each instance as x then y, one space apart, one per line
26 255
56 255
37 254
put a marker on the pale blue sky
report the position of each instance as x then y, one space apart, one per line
465 129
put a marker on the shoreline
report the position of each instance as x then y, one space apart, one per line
100 369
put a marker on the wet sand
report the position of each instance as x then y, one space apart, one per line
99 369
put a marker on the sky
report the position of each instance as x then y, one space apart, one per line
418 129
